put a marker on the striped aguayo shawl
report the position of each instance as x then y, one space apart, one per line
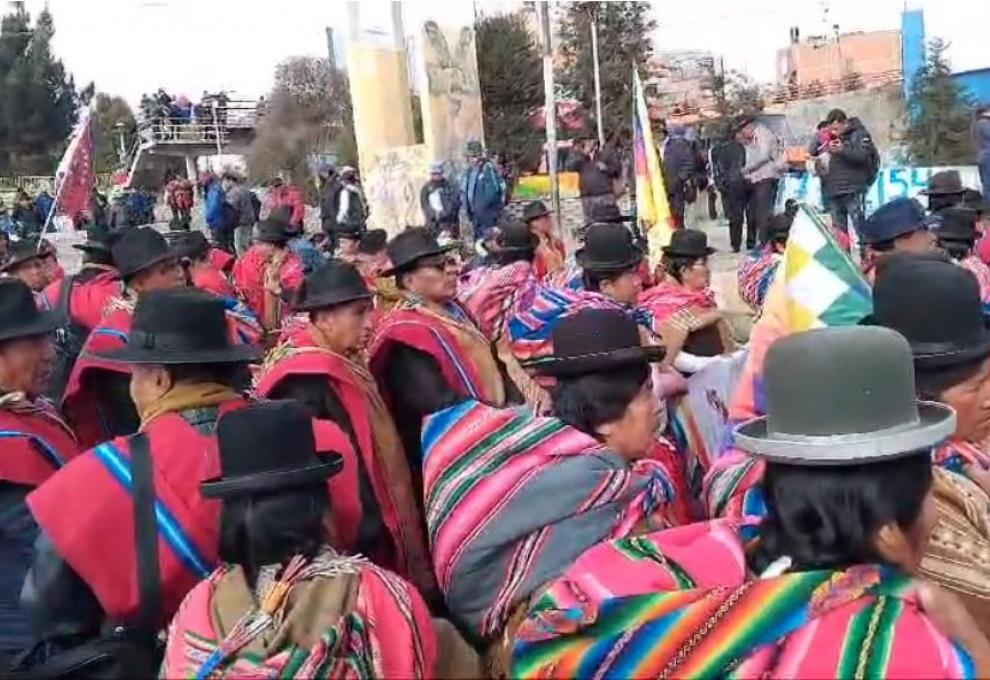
679 603
512 499
756 272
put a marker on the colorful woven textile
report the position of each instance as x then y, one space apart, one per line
680 603
512 499
493 295
377 625
668 298
975 266
755 274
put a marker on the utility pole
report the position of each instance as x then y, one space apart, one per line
598 78
550 116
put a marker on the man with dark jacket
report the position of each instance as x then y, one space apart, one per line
441 203
680 162
597 169
728 159
852 168
982 132
239 197
330 187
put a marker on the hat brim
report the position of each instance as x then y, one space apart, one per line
530 218
324 301
44 323
13 264
237 354
165 257
942 192
560 367
936 423
410 264
942 355
90 247
667 250
267 482
581 258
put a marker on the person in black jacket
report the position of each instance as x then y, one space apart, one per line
597 169
440 201
728 159
330 187
852 168
680 165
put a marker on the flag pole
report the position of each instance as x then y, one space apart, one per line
550 119
598 79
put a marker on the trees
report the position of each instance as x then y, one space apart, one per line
114 119
38 103
940 114
309 112
510 72
623 42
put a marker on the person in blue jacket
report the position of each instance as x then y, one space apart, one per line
482 190
220 216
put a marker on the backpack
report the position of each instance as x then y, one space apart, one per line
67 340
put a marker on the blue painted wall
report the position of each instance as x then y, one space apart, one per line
977 82
913 49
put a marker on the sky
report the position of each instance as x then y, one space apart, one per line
129 47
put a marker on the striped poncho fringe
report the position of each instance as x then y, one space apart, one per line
479 465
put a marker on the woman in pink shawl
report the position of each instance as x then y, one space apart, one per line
284 603
683 306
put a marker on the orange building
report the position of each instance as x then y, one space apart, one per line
866 56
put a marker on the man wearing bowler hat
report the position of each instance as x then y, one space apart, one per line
956 234
899 226
94 285
321 365
183 370
23 261
550 251
34 443
268 274
440 202
96 400
945 190
428 351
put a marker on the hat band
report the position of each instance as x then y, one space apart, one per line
940 347
148 340
840 439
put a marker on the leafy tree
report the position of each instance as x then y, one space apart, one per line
38 103
624 30
510 71
733 92
113 119
940 114
309 113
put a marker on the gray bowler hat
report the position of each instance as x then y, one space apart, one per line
840 396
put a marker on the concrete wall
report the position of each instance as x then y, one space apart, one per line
863 53
881 110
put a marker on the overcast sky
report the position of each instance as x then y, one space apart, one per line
132 46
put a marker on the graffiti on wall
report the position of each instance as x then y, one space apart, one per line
392 185
452 110
891 183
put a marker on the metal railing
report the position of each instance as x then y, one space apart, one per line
209 125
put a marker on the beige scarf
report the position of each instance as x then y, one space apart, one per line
185 396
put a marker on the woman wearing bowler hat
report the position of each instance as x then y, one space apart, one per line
683 305
428 350
550 251
823 585
284 601
534 493
96 400
320 364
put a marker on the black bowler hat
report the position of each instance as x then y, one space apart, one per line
608 248
180 326
945 183
333 283
534 210
741 121
515 236
412 245
349 229
936 306
373 242
688 243
973 200
19 313
266 447
842 396
956 224
608 213
190 244
594 341
271 231
138 249
19 252
97 239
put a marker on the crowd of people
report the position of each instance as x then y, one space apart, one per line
163 114
263 453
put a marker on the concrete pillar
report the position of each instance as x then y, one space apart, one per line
190 168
